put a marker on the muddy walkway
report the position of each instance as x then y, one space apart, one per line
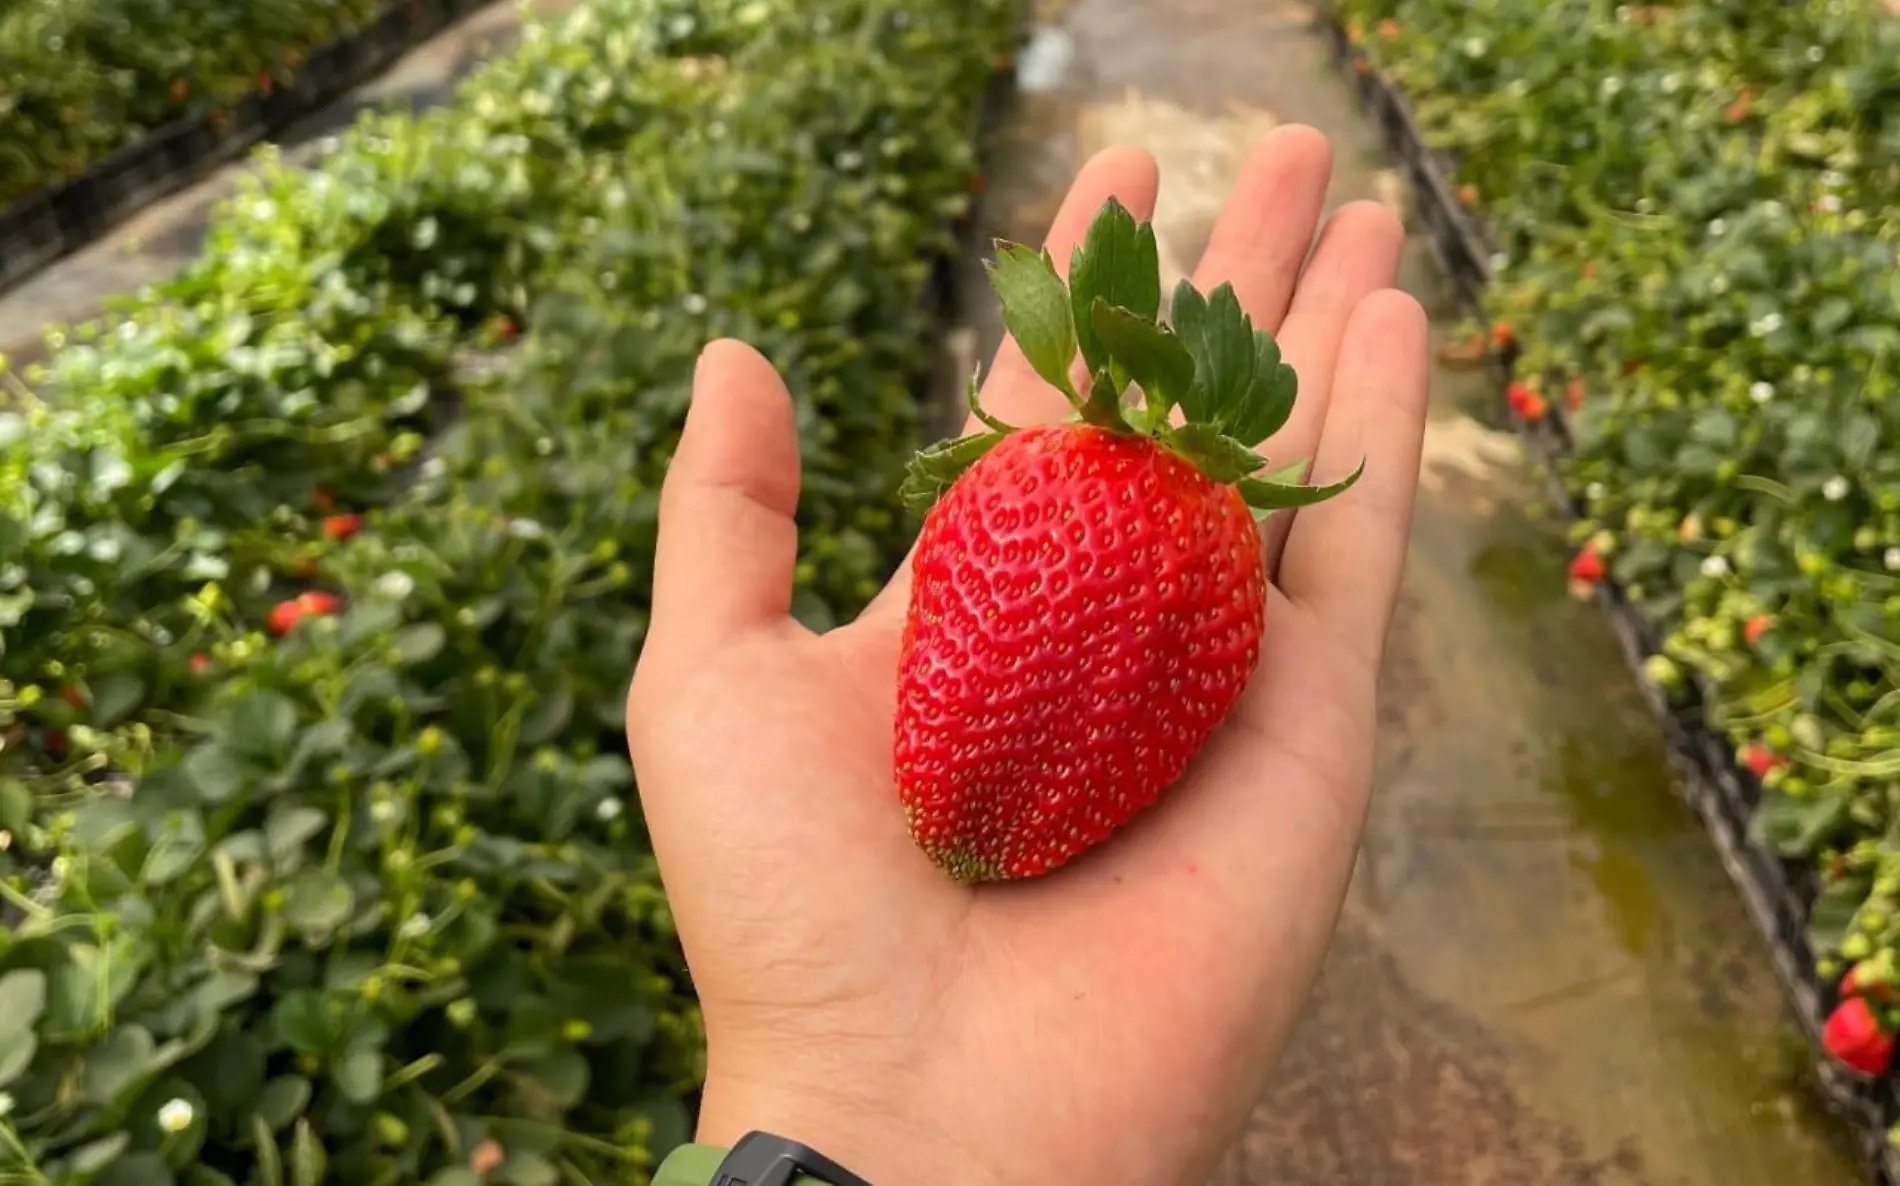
1543 976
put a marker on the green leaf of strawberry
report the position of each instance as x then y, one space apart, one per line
1150 353
1227 378
1117 262
935 469
1239 381
1266 495
1036 311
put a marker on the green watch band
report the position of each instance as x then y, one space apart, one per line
695 1165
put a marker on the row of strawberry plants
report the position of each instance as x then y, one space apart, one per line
326 565
80 79
1698 266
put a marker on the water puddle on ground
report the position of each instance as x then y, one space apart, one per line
1542 975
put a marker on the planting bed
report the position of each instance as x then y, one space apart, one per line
326 567
1695 314
110 108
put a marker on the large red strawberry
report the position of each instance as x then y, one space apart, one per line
1088 597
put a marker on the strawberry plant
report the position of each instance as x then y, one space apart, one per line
1697 216
82 78
326 567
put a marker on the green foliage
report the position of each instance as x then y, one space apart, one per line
326 565
1699 239
81 78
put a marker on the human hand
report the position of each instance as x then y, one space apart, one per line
1114 1021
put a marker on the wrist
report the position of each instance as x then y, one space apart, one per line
875 1141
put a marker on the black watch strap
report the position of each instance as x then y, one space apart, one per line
759 1159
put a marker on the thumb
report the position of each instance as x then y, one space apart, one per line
728 542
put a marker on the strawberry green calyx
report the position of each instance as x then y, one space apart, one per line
1223 377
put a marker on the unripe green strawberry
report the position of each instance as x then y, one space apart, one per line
1088 598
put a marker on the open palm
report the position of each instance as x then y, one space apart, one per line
1110 1023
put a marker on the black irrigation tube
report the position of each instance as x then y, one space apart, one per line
56 221
1777 893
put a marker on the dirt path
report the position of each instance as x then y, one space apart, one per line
1543 976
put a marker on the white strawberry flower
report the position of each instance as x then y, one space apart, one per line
610 809
415 926
395 585
1891 559
1761 391
1715 566
1836 488
175 1115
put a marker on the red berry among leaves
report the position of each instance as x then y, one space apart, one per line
1088 597
200 663
1502 337
1760 760
284 617
1755 627
1526 403
341 527
1573 394
318 604
1586 567
1855 1037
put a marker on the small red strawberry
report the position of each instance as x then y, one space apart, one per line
338 528
1755 627
284 617
1388 29
505 329
72 695
1760 760
1526 403
1502 336
1088 597
200 663
319 604
1573 394
1855 1037
1587 565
